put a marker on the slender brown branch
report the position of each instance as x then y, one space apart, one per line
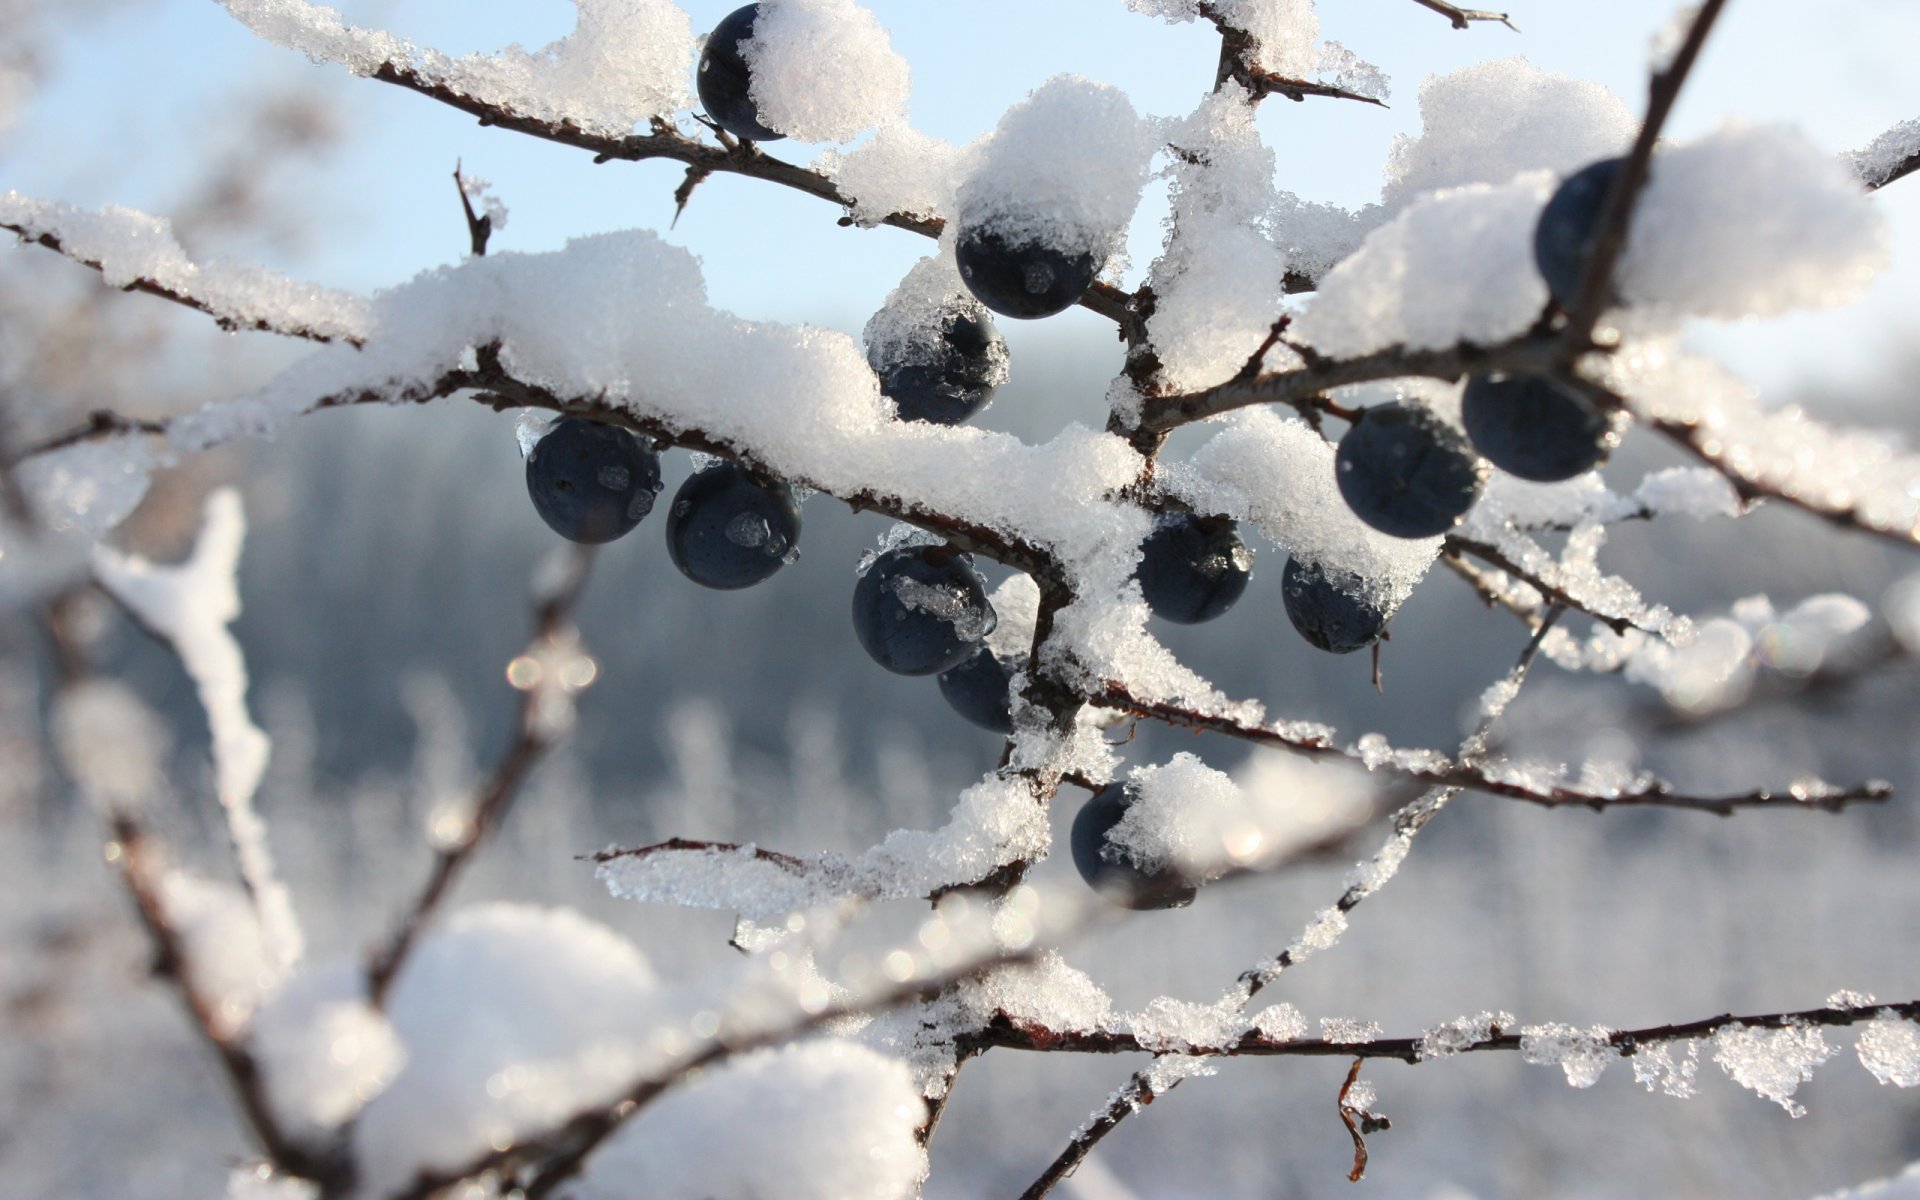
532 739
1135 1094
1460 18
153 287
1358 1121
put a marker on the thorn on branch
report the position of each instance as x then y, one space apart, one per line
479 225
696 173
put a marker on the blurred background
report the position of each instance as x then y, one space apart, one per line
385 584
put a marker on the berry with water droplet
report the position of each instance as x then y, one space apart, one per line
730 529
591 482
725 81
1193 568
1024 280
920 610
1532 427
1405 472
1110 869
1335 616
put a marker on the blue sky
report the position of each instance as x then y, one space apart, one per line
137 87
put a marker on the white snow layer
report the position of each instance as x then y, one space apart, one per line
1494 120
1751 220
1286 30
626 61
191 606
512 1018
132 247
323 1050
1217 282
897 170
1454 265
1064 168
823 70
824 1120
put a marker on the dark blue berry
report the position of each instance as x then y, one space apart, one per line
724 78
1337 619
955 372
1532 427
920 610
1193 568
977 690
1563 239
1024 280
1108 869
728 529
591 482
1405 472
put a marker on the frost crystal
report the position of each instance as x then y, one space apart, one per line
1348 1031
1582 1053
1772 1062
1657 1069
1463 1033
1889 1047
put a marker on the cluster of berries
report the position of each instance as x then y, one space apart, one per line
924 610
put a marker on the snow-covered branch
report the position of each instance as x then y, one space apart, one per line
137 252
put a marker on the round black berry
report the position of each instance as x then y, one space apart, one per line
729 529
1405 472
591 482
1532 427
1108 868
1025 280
921 609
1337 619
947 374
724 79
1563 239
1193 568
977 690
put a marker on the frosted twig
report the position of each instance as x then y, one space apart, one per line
189 607
1358 1122
1433 768
136 855
1461 17
533 737
1895 154
137 253
1609 238
1005 1033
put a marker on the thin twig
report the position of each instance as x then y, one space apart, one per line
1006 1033
479 226
1461 17
532 739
